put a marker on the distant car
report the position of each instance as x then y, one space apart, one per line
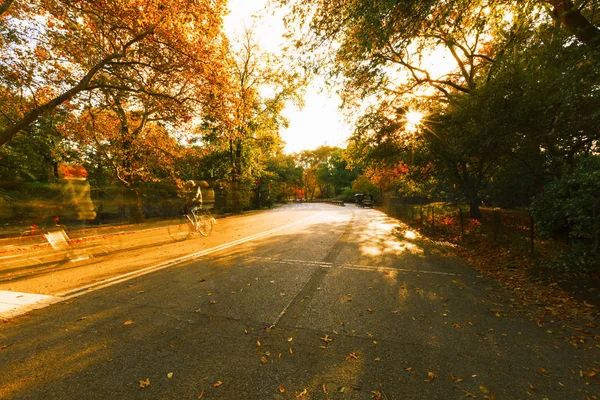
367 201
358 199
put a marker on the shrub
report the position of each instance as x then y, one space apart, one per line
569 208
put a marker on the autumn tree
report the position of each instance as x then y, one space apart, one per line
53 51
127 137
262 84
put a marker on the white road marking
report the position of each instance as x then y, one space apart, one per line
130 275
15 303
350 266
32 301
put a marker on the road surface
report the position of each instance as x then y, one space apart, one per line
308 301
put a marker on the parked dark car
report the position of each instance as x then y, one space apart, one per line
364 200
367 201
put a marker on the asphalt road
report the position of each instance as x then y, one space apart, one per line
308 301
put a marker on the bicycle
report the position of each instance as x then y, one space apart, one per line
196 220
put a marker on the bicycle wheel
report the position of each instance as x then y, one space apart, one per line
205 224
181 228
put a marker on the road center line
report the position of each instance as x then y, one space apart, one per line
350 266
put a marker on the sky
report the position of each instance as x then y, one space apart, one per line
319 122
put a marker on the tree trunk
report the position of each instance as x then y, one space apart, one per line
575 22
474 210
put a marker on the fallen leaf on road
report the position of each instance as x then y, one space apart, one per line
201 395
469 394
197 310
302 393
352 355
431 376
451 377
290 339
219 383
341 389
170 375
484 389
246 331
281 389
213 302
291 351
141 291
376 395
264 360
258 343
128 322
324 389
145 383
369 310
326 339
408 369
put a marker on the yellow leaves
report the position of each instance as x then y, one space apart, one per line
353 356
290 339
170 375
408 369
324 389
469 394
258 343
327 339
431 376
281 389
264 360
219 383
145 383
376 395
544 372
302 393
126 323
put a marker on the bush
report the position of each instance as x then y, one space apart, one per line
347 195
569 208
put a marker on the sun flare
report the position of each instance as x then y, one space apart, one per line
413 119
